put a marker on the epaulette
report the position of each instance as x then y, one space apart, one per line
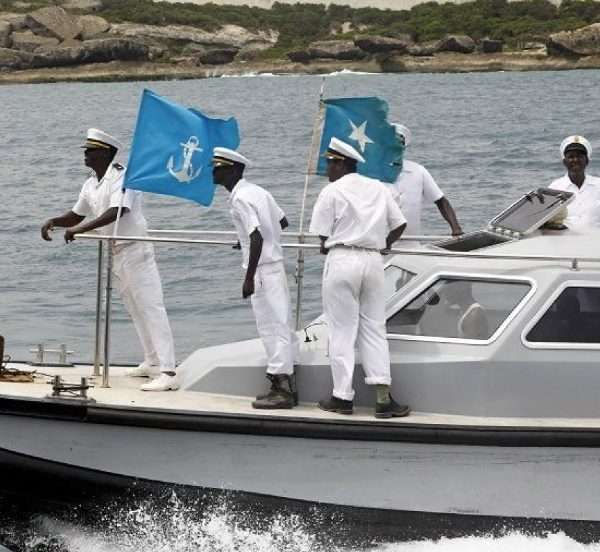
118 166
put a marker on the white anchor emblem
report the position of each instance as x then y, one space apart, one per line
186 173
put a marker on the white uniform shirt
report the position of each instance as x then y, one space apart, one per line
251 208
584 210
96 197
356 210
413 185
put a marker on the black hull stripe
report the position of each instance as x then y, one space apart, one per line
344 428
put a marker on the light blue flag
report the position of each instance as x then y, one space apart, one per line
362 123
172 149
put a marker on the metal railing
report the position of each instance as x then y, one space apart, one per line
301 245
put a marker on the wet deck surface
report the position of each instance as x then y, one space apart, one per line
124 392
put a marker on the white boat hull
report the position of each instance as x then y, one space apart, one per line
527 482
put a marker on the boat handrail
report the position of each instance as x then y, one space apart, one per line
573 259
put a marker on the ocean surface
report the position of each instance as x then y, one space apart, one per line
486 138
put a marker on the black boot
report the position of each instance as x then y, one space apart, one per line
336 405
292 385
280 395
391 409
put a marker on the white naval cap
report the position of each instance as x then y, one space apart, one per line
403 131
225 156
340 150
98 139
576 142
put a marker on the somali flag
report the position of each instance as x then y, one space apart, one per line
172 149
362 123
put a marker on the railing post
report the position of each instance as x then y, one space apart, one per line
299 280
109 262
98 345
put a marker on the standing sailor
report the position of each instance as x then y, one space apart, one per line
356 218
133 262
415 184
258 221
584 210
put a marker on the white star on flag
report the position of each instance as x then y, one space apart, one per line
360 135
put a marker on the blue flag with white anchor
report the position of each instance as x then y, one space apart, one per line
172 149
362 123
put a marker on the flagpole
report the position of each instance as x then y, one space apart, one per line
316 134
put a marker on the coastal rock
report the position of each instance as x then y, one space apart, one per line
92 26
30 42
84 5
457 43
14 59
580 42
55 22
227 36
16 20
335 49
377 44
92 51
217 56
423 49
490 46
5 32
299 56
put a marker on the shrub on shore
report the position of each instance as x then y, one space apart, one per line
300 24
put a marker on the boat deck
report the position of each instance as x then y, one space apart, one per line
124 393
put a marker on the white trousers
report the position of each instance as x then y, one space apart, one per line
141 291
354 307
273 314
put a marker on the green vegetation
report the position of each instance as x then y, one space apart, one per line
300 24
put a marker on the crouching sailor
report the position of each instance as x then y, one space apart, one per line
356 218
133 262
258 221
576 153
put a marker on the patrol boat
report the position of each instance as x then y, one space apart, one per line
506 412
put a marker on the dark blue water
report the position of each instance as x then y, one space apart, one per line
486 138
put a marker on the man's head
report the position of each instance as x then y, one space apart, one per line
99 148
228 167
576 152
341 159
403 132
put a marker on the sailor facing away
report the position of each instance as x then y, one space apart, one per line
584 210
258 221
133 262
415 185
356 218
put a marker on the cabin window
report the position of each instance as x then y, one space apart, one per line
396 278
459 308
573 317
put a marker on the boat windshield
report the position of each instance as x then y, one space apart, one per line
395 279
459 308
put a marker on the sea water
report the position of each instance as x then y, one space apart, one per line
486 138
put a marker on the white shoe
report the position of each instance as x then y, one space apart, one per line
164 382
144 370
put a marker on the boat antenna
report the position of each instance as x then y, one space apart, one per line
312 154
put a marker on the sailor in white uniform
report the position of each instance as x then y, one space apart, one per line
415 185
258 221
133 262
584 210
356 218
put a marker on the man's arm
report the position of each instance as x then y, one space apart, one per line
394 235
256 244
64 221
109 216
449 215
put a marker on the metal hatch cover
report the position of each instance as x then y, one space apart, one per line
529 212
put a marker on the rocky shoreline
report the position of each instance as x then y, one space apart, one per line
53 45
